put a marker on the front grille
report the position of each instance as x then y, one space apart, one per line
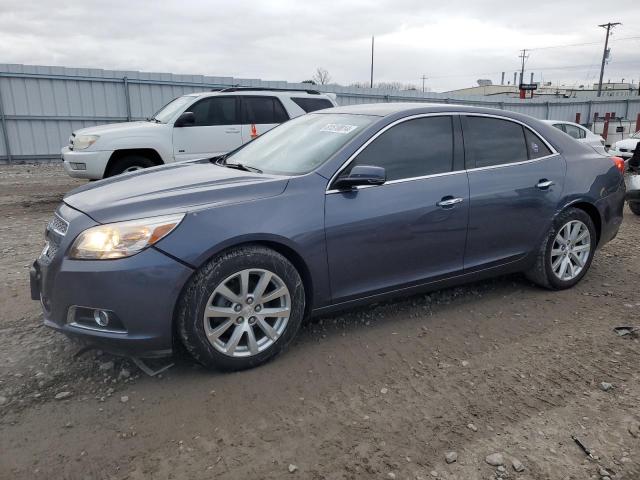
58 225
56 229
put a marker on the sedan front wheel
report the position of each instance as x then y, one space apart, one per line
241 309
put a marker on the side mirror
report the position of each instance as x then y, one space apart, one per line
361 175
187 119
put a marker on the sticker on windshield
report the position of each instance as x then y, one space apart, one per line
338 128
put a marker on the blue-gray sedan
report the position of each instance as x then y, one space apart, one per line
338 207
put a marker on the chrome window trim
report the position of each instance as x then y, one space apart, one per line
454 172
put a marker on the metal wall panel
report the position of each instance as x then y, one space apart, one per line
42 105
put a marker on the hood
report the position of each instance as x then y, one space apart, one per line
118 128
627 143
173 188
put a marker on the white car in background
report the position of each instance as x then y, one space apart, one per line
625 148
581 134
193 126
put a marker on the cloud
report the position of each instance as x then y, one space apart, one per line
453 43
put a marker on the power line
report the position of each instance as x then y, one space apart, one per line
584 44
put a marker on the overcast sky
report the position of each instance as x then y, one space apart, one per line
452 42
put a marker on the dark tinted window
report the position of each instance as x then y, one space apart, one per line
414 148
535 145
312 104
491 141
215 111
263 110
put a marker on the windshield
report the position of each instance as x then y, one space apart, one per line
169 110
302 144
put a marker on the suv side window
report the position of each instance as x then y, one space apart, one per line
262 110
215 111
414 148
312 104
493 141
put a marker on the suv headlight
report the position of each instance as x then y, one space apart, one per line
82 142
122 239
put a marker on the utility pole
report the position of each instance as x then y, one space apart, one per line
423 79
605 53
372 42
523 56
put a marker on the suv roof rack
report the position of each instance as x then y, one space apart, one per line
265 89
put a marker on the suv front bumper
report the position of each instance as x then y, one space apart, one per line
85 164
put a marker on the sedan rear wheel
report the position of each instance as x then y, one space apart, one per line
241 308
566 252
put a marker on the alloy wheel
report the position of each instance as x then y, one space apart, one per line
247 312
570 250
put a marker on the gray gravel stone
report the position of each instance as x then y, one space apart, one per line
495 459
63 395
606 386
517 465
292 468
451 457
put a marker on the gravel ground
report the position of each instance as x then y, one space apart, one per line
394 390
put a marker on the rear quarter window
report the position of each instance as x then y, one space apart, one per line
312 104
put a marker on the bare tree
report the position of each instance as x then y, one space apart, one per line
321 77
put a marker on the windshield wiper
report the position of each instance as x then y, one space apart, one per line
241 166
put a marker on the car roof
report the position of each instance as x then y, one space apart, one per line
402 109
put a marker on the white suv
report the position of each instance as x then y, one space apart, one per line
193 126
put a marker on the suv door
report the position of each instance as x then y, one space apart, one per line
216 130
515 183
260 114
410 229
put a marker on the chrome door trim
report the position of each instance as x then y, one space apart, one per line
437 114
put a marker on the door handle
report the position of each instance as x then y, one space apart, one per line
232 130
544 184
449 201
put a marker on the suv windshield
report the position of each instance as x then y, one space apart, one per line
169 110
300 145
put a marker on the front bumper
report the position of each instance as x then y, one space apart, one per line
632 182
141 290
85 164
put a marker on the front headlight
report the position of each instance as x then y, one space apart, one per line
82 142
122 239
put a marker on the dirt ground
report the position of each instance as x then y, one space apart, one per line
383 392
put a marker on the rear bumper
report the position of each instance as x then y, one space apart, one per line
82 164
611 210
140 291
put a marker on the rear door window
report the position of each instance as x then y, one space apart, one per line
263 110
312 104
493 141
536 147
414 148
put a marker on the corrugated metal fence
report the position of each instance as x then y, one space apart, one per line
40 106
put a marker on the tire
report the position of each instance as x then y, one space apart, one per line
635 207
128 164
230 269
542 273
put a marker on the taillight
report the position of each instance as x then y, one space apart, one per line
619 163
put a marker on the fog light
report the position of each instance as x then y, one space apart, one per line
101 317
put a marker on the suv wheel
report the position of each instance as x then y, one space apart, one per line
130 163
241 308
635 207
566 252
